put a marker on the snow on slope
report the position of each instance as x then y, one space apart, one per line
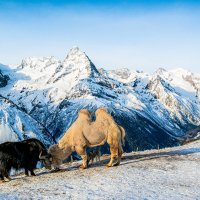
170 173
154 109
16 125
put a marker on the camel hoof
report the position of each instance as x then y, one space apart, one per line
116 164
108 165
83 167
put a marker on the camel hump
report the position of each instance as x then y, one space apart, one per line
122 135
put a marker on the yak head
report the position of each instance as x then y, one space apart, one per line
46 160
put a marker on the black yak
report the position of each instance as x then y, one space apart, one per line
24 154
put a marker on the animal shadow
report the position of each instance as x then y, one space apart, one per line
149 156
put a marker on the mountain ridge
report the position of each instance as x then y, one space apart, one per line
155 109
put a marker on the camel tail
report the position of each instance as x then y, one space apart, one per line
122 135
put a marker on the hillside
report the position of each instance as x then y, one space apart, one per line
170 173
155 109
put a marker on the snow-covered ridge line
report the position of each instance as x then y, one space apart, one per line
160 107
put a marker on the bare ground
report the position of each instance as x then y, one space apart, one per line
171 173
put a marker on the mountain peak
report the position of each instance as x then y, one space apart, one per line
160 71
77 60
122 73
39 63
75 53
75 49
180 72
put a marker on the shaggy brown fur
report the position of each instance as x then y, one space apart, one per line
85 133
92 155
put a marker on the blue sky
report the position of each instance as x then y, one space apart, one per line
137 34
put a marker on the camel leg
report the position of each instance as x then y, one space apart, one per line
114 154
120 152
82 153
98 157
71 159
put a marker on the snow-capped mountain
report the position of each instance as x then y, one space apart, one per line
155 109
15 123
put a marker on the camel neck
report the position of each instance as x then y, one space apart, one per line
63 143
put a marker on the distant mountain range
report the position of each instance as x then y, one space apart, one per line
41 98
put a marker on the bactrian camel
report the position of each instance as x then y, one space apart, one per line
85 133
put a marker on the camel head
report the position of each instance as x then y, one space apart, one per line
54 152
58 154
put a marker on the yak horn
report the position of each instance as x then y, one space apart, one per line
41 157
